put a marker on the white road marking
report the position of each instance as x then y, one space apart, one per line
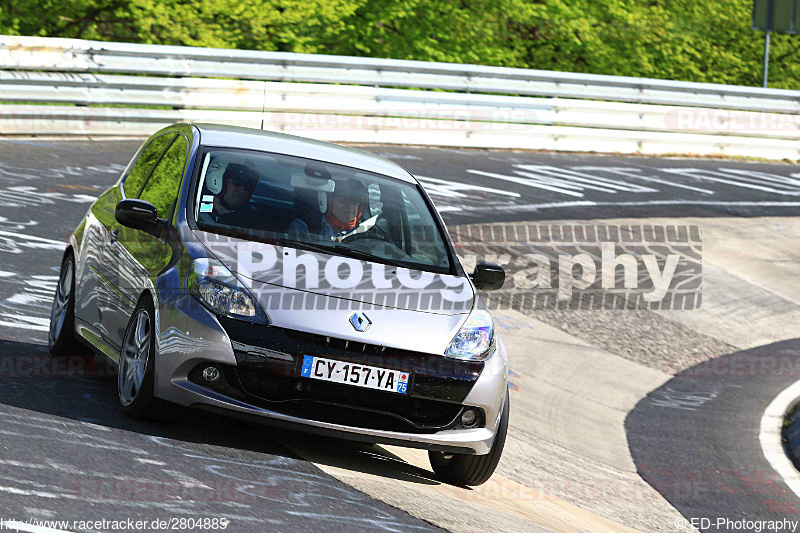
453 189
31 238
634 173
576 181
39 293
13 247
23 299
35 320
29 309
389 155
704 202
26 492
561 176
529 182
737 178
764 176
10 225
81 441
22 325
26 196
587 203
149 461
27 418
16 174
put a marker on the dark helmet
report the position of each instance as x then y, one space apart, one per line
237 173
351 188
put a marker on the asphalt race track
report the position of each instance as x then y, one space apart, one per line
479 186
67 452
695 438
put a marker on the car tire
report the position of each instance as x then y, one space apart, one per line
61 335
471 470
135 374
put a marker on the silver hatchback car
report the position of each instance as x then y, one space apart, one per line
292 282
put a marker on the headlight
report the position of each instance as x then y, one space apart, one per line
475 340
216 287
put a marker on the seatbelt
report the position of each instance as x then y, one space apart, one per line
361 228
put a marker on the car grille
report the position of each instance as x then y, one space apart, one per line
267 375
333 402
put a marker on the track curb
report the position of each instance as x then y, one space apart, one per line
771 435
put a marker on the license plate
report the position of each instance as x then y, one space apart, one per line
370 377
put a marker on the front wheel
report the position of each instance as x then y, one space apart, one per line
61 336
462 469
135 381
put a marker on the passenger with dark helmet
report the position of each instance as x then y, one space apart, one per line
232 204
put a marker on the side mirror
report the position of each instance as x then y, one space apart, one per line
488 276
137 214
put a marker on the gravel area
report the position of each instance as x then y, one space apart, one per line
641 336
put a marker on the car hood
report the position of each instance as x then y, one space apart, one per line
319 293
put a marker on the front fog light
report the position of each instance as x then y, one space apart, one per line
216 287
475 340
469 417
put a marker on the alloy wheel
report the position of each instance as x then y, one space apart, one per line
133 360
61 302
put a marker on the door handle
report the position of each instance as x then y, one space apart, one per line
115 236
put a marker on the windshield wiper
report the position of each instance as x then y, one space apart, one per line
336 248
358 254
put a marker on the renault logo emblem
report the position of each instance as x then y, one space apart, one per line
360 322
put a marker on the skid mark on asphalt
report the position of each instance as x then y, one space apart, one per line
249 488
685 400
12 174
10 225
310 495
27 417
99 487
78 440
16 243
27 308
27 196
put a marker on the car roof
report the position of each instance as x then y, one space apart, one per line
218 135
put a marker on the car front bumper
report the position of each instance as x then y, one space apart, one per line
190 337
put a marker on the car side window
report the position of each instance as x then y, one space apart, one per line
162 188
425 246
145 163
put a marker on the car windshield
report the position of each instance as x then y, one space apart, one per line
318 206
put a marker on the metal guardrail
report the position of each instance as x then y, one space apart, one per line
130 89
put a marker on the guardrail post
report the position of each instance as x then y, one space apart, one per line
765 79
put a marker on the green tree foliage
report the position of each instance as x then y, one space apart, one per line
162 188
144 164
707 41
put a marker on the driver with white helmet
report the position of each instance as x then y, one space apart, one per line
339 213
